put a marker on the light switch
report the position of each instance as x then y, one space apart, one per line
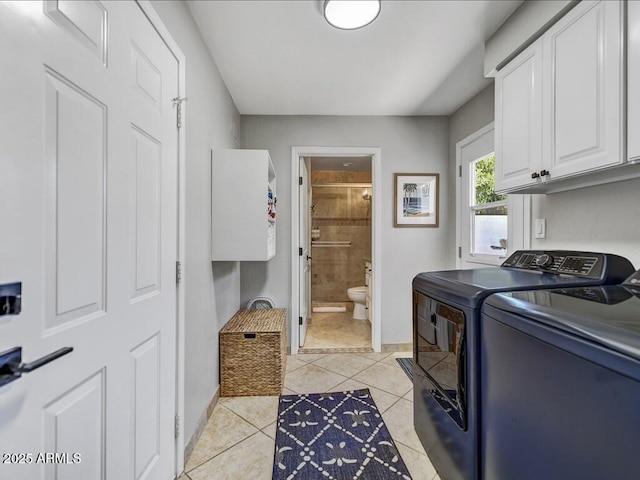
540 228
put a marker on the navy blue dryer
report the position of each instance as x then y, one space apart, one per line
561 384
446 323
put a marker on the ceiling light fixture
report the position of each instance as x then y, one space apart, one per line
351 14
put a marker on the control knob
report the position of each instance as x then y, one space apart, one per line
544 261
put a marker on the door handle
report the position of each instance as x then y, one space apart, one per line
308 258
12 367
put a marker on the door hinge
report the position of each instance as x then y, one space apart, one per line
300 251
178 272
299 320
177 103
176 426
299 180
459 252
460 171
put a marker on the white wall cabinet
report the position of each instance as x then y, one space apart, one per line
583 89
518 110
578 64
243 205
633 80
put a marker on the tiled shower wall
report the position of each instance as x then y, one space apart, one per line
341 214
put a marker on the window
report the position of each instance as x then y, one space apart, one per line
487 210
489 226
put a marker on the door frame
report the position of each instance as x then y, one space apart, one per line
148 9
376 234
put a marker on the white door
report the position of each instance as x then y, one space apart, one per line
88 208
304 193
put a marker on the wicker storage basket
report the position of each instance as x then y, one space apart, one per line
253 353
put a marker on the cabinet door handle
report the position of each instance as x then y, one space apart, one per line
544 173
535 175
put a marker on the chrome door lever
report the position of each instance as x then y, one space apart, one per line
12 368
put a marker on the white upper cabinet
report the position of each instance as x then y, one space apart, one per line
560 103
243 205
518 133
633 80
583 90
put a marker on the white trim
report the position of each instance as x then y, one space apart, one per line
376 246
163 31
459 205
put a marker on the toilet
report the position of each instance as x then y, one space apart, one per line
358 296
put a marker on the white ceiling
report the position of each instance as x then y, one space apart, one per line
280 57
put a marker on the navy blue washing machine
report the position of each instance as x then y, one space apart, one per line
560 384
446 337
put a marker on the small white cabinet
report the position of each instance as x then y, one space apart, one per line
559 104
633 80
243 205
518 132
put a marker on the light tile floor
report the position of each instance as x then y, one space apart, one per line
240 435
337 330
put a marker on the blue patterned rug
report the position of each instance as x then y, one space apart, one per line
334 436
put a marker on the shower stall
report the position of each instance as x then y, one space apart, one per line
341 241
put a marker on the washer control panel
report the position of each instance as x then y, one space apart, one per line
558 262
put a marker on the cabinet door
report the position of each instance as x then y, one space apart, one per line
583 116
518 140
633 80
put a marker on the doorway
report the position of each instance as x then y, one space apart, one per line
335 244
339 218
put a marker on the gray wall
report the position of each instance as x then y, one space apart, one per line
603 218
527 23
409 144
212 291
471 117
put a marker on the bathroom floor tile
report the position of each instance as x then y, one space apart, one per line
337 330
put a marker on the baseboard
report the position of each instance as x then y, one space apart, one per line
202 423
397 347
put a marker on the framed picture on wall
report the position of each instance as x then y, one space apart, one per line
416 199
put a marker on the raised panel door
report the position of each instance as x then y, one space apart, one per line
89 142
518 101
583 117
